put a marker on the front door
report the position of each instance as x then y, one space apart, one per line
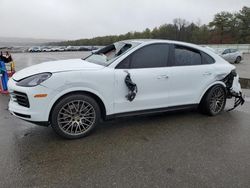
148 70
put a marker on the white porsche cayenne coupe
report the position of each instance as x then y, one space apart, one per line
130 77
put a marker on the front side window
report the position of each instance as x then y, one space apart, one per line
186 57
151 56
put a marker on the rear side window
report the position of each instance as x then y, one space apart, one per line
233 50
151 56
186 56
207 59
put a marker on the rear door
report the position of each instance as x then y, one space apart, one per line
190 73
148 70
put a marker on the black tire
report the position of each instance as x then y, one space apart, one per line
238 60
69 116
214 100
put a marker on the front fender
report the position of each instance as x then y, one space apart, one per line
99 83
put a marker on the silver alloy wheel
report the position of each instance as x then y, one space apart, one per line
217 100
76 117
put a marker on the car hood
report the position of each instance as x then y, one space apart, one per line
56 66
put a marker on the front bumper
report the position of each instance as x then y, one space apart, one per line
38 107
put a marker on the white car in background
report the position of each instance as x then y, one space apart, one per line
70 48
232 55
34 49
58 49
125 78
46 49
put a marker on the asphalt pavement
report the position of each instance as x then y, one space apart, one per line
178 149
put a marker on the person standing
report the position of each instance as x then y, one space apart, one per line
8 57
2 57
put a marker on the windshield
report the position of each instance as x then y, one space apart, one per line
108 54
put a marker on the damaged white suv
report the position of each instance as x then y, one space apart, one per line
126 78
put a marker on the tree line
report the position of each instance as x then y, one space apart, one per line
225 28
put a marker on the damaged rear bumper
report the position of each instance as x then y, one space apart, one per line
238 99
233 88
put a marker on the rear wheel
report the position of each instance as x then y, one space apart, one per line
214 101
238 60
75 116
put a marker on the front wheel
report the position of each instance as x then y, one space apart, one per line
75 116
214 101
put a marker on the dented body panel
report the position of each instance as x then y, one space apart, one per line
233 89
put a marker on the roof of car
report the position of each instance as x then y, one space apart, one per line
151 41
158 40
148 41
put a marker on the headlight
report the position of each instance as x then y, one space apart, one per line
34 80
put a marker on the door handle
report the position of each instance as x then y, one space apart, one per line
207 74
162 77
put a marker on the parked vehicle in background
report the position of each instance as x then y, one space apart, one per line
61 48
34 49
58 49
75 48
69 48
93 48
232 55
46 49
83 48
125 78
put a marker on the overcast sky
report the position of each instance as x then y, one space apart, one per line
74 19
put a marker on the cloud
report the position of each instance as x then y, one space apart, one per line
72 19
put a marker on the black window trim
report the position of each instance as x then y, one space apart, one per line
172 52
130 55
